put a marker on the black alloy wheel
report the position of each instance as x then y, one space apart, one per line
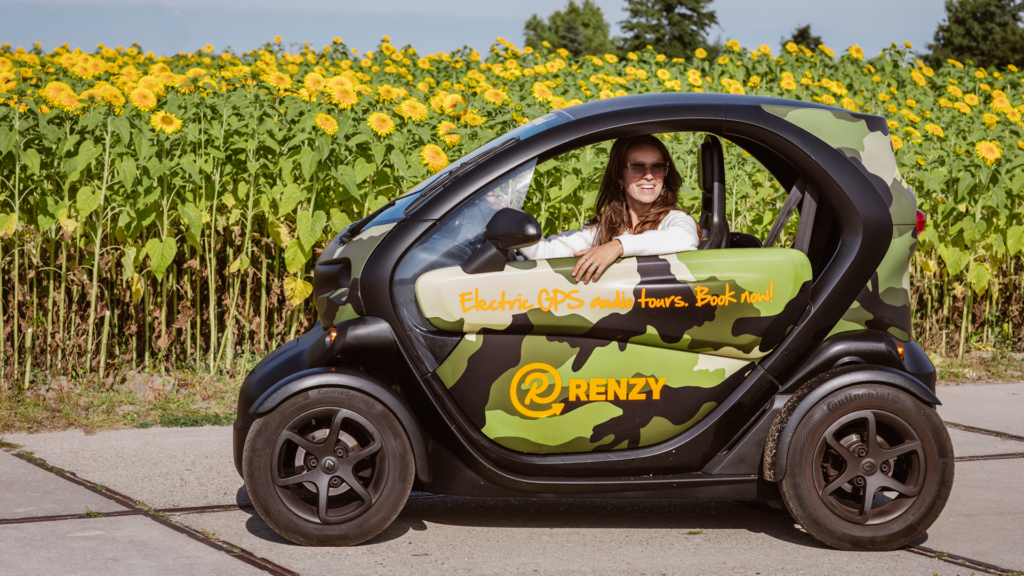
328 469
870 467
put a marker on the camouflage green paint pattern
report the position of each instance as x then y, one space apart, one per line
884 303
737 303
678 361
346 303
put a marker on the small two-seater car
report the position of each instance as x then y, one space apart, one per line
444 361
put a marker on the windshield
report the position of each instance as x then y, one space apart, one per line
396 211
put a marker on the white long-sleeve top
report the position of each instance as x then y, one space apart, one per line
677 232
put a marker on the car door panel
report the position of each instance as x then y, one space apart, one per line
550 365
562 394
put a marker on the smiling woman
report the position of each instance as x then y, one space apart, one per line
635 215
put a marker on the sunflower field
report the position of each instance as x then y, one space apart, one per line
159 212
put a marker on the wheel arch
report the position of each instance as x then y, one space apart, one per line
341 377
781 434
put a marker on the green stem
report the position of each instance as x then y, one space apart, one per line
98 242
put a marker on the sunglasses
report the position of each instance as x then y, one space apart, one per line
640 169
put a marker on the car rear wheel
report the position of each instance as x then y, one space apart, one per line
329 469
870 467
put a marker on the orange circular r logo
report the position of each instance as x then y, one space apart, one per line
544 385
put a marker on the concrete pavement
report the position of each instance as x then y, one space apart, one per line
176 468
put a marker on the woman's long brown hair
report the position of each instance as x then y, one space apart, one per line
612 213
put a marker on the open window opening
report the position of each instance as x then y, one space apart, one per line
741 194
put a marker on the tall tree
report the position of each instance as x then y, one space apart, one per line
580 29
802 36
673 27
986 32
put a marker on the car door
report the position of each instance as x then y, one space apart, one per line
547 365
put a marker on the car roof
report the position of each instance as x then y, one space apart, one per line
669 99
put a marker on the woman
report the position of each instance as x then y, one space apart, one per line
636 213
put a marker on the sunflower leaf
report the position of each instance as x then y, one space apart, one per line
296 290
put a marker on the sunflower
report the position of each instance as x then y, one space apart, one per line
412 109
344 96
152 83
663 74
764 49
700 53
988 151
143 99
434 158
897 142
605 94
327 124
828 99
971 99
754 81
962 108
278 80
934 130
495 96
381 123
849 104
1020 144
162 121
856 52
1001 104
386 93
945 103
788 84
443 130
314 81
454 104
737 89
68 101
990 120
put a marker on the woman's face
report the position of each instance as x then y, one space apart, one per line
642 188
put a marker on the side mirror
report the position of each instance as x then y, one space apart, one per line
507 230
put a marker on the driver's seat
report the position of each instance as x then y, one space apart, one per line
711 177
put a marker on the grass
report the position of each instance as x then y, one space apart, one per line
210 535
980 366
149 509
694 532
5 445
91 514
196 399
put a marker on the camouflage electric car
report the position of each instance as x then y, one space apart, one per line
446 362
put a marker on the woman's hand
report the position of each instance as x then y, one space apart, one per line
594 261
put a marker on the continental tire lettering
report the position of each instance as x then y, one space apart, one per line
838 403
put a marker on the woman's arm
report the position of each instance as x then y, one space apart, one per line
561 245
677 233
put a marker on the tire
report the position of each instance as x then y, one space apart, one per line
289 461
832 464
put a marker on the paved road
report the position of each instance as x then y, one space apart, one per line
173 469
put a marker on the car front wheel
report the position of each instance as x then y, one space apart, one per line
328 469
870 467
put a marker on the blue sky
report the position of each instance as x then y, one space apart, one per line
166 27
